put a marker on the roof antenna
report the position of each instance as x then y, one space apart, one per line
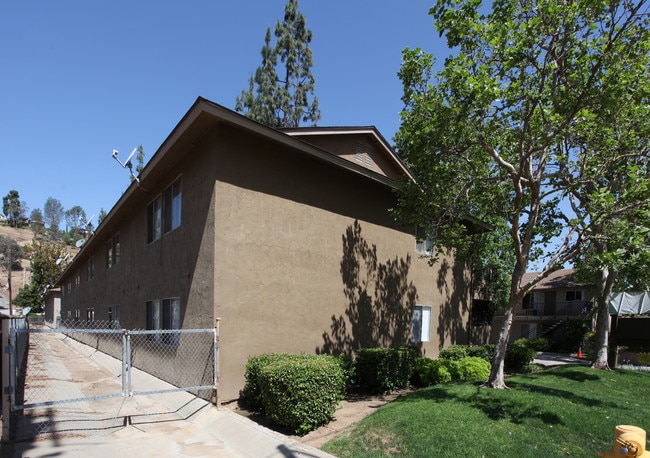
127 164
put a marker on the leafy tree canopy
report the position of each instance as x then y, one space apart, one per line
13 208
52 213
281 92
502 133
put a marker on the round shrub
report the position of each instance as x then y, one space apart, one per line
251 395
539 343
432 371
455 352
485 352
382 370
474 369
518 355
302 392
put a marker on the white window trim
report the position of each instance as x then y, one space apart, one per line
421 325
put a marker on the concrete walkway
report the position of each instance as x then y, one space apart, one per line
558 359
175 424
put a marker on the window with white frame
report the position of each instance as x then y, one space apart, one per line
424 242
421 325
90 316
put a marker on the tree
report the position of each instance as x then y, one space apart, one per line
10 254
48 260
52 214
505 114
617 250
75 218
36 218
283 101
102 215
13 208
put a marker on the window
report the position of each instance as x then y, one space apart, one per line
153 319
421 323
90 316
423 242
573 296
113 251
172 207
154 220
113 317
90 267
164 212
529 330
166 317
171 319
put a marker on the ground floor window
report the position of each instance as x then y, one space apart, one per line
164 314
113 316
528 330
421 327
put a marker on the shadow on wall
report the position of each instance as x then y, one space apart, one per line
453 320
380 299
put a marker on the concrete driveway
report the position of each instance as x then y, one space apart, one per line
174 424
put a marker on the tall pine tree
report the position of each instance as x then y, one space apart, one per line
281 93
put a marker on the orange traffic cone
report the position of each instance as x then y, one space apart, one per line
580 352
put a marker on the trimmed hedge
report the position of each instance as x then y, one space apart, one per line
251 395
518 355
434 371
382 370
301 392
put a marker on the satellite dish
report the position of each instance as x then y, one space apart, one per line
80 243
26 311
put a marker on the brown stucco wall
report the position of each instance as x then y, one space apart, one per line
291 252
308 258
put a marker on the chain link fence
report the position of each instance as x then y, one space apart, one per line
88 369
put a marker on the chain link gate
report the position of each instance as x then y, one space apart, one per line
77 378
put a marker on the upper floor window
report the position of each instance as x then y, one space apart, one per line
172 206
164 212
423 242
113 251
573 296
90 267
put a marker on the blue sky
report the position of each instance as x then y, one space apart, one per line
81 78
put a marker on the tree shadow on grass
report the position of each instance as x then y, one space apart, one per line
494 407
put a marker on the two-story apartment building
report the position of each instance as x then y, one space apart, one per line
286 236
554 300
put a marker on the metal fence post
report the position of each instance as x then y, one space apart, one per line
215 380
125 363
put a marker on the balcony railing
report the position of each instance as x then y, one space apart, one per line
559 310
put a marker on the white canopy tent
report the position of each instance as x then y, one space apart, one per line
629 303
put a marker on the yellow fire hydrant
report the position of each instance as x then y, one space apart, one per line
629 441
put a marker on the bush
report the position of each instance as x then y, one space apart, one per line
485 352
251 396
455 352
434 371
539 343
474 369
518 355
301 392
382 370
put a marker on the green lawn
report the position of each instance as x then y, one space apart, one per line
565 411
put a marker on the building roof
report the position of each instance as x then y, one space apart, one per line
558 279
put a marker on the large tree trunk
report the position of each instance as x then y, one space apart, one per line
496 379
605 282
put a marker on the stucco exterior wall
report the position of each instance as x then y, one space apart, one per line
309 259
291 252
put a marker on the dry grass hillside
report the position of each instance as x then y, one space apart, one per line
19 278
